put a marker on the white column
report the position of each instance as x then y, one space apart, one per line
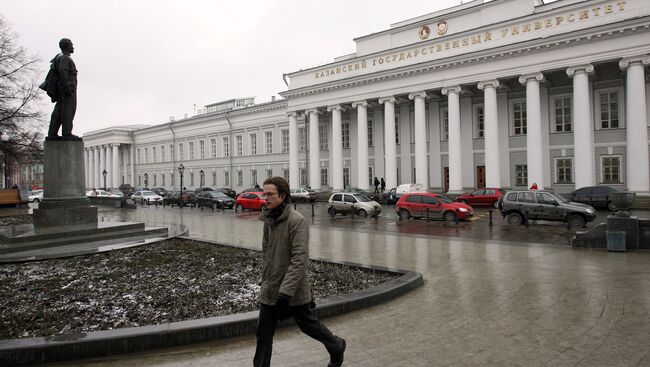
98 172
491 133
534 142
294 170
638 170
314 150
454 141
362 143
116 166
583 132
421 174
132 150
124 166
337 148
389 140
86 167
91 167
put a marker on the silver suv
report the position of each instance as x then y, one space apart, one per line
520 206
352 203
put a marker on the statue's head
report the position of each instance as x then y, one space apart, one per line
65 44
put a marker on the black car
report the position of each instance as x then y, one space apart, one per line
201 189
226 190
596 196
180 198
160 191
214 200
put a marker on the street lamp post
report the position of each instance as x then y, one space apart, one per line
104 173
146 180
181 169
202 177
5 143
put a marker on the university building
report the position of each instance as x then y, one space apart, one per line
504 93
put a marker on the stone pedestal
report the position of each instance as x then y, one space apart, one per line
64 194
628 224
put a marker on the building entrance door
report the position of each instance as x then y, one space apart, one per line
446 174
480 177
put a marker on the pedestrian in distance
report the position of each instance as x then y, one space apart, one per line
383 185
285 290
533 186
94 193
376 185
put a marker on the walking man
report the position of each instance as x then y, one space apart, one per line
286 291
376 182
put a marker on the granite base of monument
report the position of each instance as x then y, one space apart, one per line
630 225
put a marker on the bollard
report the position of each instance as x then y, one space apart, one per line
312 209
490 216
295 206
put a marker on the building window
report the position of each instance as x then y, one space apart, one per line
214 178
563 170
371 138
399 177
611 169
191 179
519 118
202 149
285 173
253 139
285 140
162 153
253 177
153 154
154 180
322 136
609 103
562 118
346 176
146 155
302 139
240 178
303 177
480 122
345 133
162 179
139 180
521 175
412 127
226 178
171 152
371 181
269 173
191 149
444 125
226 146
323 177
269 141
138 157
396 128
213 148
180 151
239 143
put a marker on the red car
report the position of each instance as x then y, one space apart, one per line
488 196
440 207
251 200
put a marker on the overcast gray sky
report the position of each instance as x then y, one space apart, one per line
142 61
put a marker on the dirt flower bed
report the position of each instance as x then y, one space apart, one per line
169 281
15 219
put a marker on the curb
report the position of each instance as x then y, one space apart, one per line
19 352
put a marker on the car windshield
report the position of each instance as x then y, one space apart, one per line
220 195
363 198
559 198
444 199
148 193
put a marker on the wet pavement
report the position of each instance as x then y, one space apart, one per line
503 296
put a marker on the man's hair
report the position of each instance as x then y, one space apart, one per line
282 185
64 42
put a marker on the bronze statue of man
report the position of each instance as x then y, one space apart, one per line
65 94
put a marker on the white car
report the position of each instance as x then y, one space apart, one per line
148 197
102 193
36 196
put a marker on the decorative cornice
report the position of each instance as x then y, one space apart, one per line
389 99
643 59
453 89
421 94
488 84
572 70
523 79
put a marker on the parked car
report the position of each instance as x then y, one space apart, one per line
488 196
395 193
180 198
596 196
160 191
36 196
102 193
252 189
147 197
201 189
352 203
127 189
214 200
226 190
303 195
521 206
251 200
416 204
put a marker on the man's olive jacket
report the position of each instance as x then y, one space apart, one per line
285 245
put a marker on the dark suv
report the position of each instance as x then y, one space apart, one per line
520 206
596 196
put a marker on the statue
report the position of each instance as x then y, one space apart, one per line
62 88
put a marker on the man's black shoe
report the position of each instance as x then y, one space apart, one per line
336 360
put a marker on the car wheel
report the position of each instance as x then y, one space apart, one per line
263 208
611 207
450 216
37 201
577 221
515 218
362 213
331 211
239 208
495 204
404 214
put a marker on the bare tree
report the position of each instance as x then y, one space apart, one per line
19 98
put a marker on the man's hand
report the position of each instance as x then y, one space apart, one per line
282 307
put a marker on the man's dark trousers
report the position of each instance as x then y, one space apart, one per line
63 114
305 319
